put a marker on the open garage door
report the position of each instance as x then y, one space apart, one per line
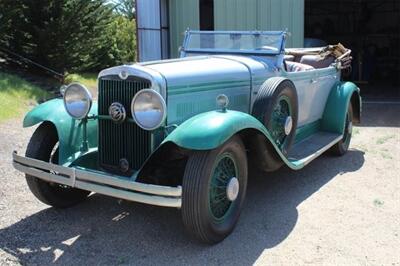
371 28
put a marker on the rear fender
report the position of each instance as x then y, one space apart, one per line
69 130
341 96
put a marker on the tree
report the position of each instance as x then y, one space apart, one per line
126 8
66 35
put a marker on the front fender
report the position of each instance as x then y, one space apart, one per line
209 130
69 130
334 116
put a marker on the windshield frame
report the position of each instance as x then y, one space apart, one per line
189 33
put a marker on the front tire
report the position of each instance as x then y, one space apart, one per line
43 146
214 188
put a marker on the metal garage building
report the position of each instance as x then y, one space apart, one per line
161 23
371 28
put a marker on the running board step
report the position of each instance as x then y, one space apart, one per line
310 148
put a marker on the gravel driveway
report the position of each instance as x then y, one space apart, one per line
336 211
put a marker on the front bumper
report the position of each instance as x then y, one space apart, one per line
100 183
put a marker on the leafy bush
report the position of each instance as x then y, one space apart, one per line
121 38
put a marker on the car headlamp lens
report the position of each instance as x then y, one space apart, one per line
77 100
148 109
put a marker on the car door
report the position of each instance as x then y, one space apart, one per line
323 80
306 83
313 88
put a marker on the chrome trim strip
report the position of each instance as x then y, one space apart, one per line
127 195
42 175
316 154
99 183
41 164
114 181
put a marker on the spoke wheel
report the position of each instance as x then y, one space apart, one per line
279 117
213 190
224 172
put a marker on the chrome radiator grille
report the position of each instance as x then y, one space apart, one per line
124 141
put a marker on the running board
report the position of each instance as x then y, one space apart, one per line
310 148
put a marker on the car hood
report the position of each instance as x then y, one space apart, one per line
198 70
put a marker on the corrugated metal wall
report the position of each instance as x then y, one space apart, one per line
183 14
149 37
262 15
152 26
239 15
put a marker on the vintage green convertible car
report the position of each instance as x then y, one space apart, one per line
183 133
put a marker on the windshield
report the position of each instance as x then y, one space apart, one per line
234 42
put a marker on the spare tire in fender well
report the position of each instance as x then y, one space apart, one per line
270 95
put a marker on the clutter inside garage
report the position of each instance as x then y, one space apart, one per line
371 29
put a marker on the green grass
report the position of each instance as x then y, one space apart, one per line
17 95
87 79
383 139
378 202
386 155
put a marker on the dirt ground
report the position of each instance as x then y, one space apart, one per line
336 211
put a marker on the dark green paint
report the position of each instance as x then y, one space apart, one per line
209 130
307 130
88 160
69 130
334 117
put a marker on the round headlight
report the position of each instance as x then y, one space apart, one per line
148 109
77 100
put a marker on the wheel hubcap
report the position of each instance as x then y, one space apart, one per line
232 190
288 125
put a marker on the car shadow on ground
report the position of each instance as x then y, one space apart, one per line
103 230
